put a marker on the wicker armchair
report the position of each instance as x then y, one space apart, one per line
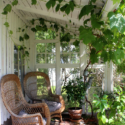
15 102
37 87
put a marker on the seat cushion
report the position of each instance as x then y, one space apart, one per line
30 120
53 106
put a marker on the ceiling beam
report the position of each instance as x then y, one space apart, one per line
49 14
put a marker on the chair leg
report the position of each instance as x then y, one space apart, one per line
61 117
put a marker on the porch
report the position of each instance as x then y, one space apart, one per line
27 45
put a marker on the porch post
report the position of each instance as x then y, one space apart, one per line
58 78
108 83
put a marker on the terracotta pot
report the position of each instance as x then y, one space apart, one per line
75 113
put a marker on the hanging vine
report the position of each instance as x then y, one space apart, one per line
104 38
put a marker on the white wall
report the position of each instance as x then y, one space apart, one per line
7 50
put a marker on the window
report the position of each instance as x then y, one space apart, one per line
19 64
45 53
69 53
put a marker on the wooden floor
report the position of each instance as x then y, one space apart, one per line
66 121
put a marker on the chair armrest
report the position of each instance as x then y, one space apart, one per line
39 107
61 100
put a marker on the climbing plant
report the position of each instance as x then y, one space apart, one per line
105 39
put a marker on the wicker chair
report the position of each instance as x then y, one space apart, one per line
37 87
15 102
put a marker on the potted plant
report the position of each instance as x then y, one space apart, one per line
76 91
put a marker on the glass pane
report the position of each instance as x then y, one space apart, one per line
50 58
52 76
40 58
75 58
40 47
65 58
74 48
45 35
64 47
51 47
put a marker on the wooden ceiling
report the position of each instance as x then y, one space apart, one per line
26 12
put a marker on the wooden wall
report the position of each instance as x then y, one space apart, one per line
7 50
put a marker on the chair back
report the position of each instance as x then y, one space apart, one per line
12 93
37 85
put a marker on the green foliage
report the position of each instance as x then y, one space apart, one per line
75 89
66 37
26 36
6 24
7 9
110 107
67 8
50 3
15 2
116 1
86 10
32 21
57 7
86 35
117 22
121 67
21 38
34 2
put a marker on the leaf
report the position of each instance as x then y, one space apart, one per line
103 119
15 2
6 24
86 35
53 2
21 38
93 56
86 10
85 22
104 56
63 7
116 1
99 43
62 29
108 34
57 7
71 4
92 1
39 28
60 1
95 22
67 10
56 27
23 30
26 36
41 20
8 8
10 32
34 29
20 48
32 21
76 43
48 5
117 22
5 13
34 2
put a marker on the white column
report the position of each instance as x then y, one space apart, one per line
58 75
108 82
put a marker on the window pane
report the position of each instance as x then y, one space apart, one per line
40 58
75 58
65 58
40 47
51 47
50 58
64 47
52 76
74 48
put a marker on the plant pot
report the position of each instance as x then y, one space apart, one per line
75 113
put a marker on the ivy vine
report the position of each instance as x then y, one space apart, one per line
105 39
